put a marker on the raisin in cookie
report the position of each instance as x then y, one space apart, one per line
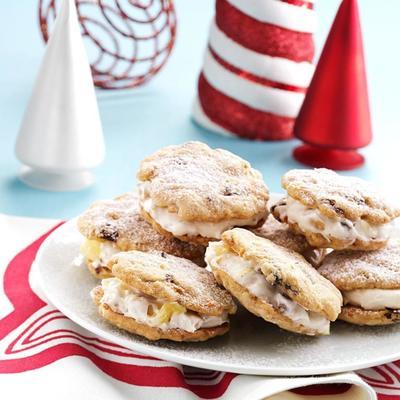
369 282
274 283
116 225
280 234
335 211
195 193
160 296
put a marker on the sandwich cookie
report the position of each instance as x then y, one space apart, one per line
160 296
335 211
369 282
281 234
195 193
116 225
274 283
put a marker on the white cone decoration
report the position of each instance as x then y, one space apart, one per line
61 137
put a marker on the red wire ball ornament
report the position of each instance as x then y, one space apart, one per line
128 41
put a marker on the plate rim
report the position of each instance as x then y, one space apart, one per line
171 356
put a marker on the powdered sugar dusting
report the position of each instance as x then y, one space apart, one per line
171 278
335 195
119 221
202 184
349 270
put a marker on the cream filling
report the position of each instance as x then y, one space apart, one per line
373 299
340 228
178 227
247 274
98 252
147 310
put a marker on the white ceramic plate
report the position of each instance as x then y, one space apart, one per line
251 347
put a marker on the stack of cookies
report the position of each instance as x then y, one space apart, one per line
198 234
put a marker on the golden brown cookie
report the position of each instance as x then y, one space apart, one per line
274 282
160 296
116 225
195 193
280 234
154 333
335 211
359 316
369 282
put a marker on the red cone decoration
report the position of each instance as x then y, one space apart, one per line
334 120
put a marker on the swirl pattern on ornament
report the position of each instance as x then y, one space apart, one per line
128 41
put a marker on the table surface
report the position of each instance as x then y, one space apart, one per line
139 121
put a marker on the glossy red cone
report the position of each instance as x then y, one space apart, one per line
335 120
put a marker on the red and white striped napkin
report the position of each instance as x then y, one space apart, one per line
43 353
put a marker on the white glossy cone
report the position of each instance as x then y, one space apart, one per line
61 137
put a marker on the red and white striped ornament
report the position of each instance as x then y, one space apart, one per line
257 68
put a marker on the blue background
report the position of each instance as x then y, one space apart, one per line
139 121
